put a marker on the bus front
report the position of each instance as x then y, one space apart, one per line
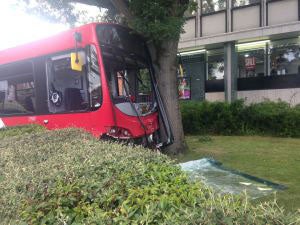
131 85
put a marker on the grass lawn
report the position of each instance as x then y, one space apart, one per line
274 159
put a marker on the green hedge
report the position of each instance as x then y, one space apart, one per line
68 177
266 118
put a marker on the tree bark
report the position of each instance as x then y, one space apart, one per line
167 83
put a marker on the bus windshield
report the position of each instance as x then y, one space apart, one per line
127 70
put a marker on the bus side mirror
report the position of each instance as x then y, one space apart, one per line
77 61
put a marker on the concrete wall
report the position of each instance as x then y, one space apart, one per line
190 29
291 96
214 24
250 34
215 97
282 12
282 18
246 18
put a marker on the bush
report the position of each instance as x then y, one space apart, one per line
267 118
68 177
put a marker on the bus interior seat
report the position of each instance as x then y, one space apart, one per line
2 96
28 104
2 99
73 99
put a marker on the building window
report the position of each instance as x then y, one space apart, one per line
251 63
210 6
17 91
190 13
215 66
239 3
284 58
252 59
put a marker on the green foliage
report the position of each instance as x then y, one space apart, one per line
209 6
68 177
62 11
267 118
161 19
157 20
53 10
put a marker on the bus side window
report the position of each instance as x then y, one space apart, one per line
17 89
67 88
94 80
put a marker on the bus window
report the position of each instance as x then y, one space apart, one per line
67 88
130 83
17 89
144 85
94 81
128 79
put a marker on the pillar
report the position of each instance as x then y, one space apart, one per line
230 73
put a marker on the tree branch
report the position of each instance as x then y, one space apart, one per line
99 3
120 5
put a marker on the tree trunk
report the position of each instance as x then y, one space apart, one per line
167 83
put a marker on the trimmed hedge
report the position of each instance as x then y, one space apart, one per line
266 118
68 177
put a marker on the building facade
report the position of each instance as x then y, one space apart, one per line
241 49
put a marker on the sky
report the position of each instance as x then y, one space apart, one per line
17 27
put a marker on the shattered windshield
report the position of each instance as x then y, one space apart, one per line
127 70
121 38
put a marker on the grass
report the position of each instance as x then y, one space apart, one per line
275 159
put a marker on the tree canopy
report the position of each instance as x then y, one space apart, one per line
156 20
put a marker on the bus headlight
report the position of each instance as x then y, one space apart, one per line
118 132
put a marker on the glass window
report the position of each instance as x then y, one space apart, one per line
17 91
191 12
284 58
67 88
238 3
127 68
209 6
129 82
129 78
188 14
122 38
94 81
251 63
144 82
215 67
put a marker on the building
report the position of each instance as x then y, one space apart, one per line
242 49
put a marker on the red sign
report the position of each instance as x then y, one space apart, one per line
250 63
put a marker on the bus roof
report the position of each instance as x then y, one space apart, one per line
59 42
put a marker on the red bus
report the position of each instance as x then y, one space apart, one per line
98 77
